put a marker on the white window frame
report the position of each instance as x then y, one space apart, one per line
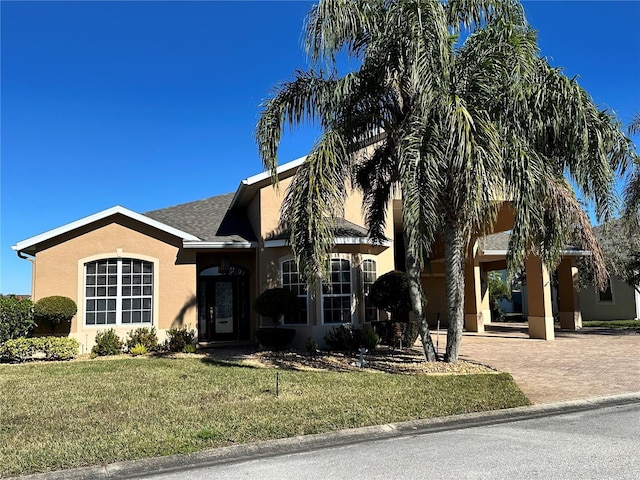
331 294
366 286
119 297
299 283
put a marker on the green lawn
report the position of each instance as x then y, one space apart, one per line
615 324
62 415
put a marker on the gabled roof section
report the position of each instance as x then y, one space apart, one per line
211 220
249 186
33 241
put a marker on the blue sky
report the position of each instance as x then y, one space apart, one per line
152 104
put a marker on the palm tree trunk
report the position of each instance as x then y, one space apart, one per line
454 276
415 291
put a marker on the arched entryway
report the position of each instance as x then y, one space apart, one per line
223 304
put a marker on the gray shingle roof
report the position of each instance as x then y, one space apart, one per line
500 242
344 229
209 219
496 241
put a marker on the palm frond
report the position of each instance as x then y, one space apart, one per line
313 202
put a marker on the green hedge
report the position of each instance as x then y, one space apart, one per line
16 317
39 348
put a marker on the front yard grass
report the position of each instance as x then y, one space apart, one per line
71 414
613 324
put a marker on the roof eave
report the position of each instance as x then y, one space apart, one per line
203 245
566 253
336 241
248 184
48 235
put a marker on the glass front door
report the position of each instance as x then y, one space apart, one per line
223 306
221 311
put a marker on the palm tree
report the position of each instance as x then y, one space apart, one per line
632 189
463 127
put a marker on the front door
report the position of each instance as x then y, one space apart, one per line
223 306
223 322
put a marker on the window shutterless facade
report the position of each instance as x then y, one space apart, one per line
336 297
118 291
291 279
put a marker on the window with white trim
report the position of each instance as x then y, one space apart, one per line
336 297
118 291
291 279
369 275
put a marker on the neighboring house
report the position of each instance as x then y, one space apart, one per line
619 301
203 263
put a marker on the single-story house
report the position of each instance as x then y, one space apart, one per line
202 264
619 301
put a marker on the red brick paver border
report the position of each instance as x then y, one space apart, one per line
576 365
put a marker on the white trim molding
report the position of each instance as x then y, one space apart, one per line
217 245
336 241
31 242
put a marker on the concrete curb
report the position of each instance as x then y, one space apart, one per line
150 466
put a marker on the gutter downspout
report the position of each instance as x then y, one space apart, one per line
32 259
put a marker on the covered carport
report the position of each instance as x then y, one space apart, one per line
489 253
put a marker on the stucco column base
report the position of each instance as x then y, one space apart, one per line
486 316
541 327
473 322
570 320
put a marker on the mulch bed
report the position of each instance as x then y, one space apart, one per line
405 361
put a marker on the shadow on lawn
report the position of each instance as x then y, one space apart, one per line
221 362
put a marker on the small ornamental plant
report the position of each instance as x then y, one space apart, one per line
181 339
107 343
144 336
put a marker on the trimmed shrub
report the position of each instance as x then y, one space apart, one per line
107 343
179 338
54 310
344 338
16 317
390 292
275 338
18 349
39 348
276 302
144 336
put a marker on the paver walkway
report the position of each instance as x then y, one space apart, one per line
576 365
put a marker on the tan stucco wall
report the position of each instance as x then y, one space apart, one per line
270 201
59 271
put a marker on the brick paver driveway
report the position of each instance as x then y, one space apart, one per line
576 365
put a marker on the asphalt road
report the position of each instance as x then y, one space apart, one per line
602 443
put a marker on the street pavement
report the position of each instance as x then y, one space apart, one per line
594 444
